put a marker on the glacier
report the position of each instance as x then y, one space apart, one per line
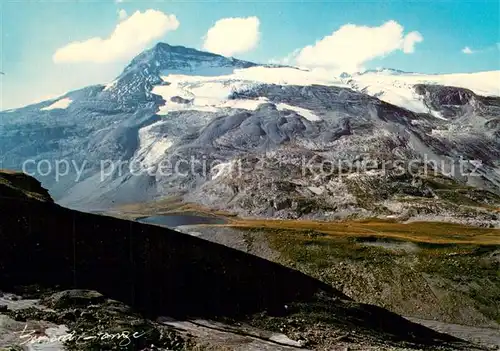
59 104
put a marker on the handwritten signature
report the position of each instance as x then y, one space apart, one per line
32 336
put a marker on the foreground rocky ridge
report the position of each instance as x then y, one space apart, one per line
165 273
18 186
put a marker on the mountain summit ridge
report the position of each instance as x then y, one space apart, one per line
145 70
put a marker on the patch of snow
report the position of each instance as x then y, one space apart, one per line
208 96
287 76
307 114
201 69
173 89
172 107
222 169
482 83
316 190
285 340
396 95
440 132
110 85
244 103
438 115
157 150
59 104
394 92
151 147
211 93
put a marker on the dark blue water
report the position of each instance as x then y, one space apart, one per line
175 220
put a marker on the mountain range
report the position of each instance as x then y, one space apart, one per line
268 140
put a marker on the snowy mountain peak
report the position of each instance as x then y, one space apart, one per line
169 56
135 83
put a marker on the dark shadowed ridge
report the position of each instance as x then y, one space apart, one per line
163 272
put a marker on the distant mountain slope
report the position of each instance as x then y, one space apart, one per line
177 120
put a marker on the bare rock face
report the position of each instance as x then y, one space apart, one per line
444 95
457 103
179 100
18 185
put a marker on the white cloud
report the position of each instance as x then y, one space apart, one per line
129 37
410 40
287 60
119 1
231 36
122 14
467 50
351 46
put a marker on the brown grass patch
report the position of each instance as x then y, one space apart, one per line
426 232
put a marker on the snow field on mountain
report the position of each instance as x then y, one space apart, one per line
152 147
481 83
301 111
59 104
209 93
397 89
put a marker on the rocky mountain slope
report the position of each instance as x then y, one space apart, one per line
163 273
268 141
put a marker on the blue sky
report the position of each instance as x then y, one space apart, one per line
31 33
